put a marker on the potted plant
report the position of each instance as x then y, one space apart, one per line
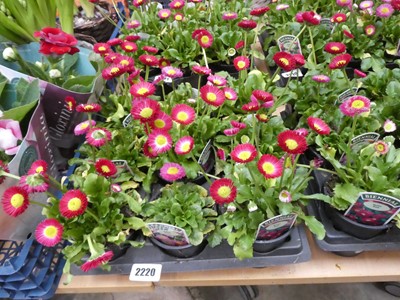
181 217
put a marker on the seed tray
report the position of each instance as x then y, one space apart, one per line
295 250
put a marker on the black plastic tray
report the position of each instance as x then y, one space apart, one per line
347 245
294 250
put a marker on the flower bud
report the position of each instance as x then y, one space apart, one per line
9 54
1 113
252 206
231 207
38 64
54 73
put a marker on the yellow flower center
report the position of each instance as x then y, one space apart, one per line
159 123
370 31
211 97
102 48
228 95
171 72
241 64
84 125
316 126
341 63
161 140
172 170
142 91
244 155
224 191
385 10
146 112
105 169
182 116
165 14
205 39
335 48
124 62
114 70
217 82
284 61
50 232
268 168
74 204
39 169
178 17
380 147
263 117
185 147
17 200
128 47
291 144
357 104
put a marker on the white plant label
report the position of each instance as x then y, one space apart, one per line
145 272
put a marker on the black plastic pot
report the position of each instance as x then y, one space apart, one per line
358 230
265 246
120 250
187 251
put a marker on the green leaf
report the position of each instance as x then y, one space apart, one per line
132 203
393 89
68 62
82 84
315 226
196 238
136 223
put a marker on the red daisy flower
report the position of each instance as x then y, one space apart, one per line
178 17
111 57
262 118
183 114
129 46
145 109
212 95
348 34
359 73
172 72
205 39
239 45
184 145
126 63
49 232
247 24
83 127
201 70
172 171
101 48
241 63
223 191
244 153
231 131
38 167
97 137
73 203
161 121
259 11
318 125
229 16
311 18
335 48
105 167
237 124
137 3
262 96
299 58
94 263
197 32
160 141
71 103
251 106
355 105
150 49
15 201
163 62
132 38
221 154
395 4
320 78
340 61
301 131
34 183
148 151
148 60
112 71
291 142
114 42
217 80
270 166
3 168
89 108
285 61
176 4
338 18
370 30
142 89
230 94
299 17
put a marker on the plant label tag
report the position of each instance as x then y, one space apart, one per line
275 227
289 43
122 165
346 94
363 140
127 120
293 73
145 272
205 155
373 209
169 234
327 23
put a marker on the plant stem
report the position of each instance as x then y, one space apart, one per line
38 203
205 56
348 81
90 212
312 45
4 173
319 169
201 168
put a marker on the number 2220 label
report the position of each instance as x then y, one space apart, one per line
145 272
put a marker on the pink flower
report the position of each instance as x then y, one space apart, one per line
229 16
83 127
183 114
355 105
384 10
49 232
97 137
10 133
172 171
98 261
184 145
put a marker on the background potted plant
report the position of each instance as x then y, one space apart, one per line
186 206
